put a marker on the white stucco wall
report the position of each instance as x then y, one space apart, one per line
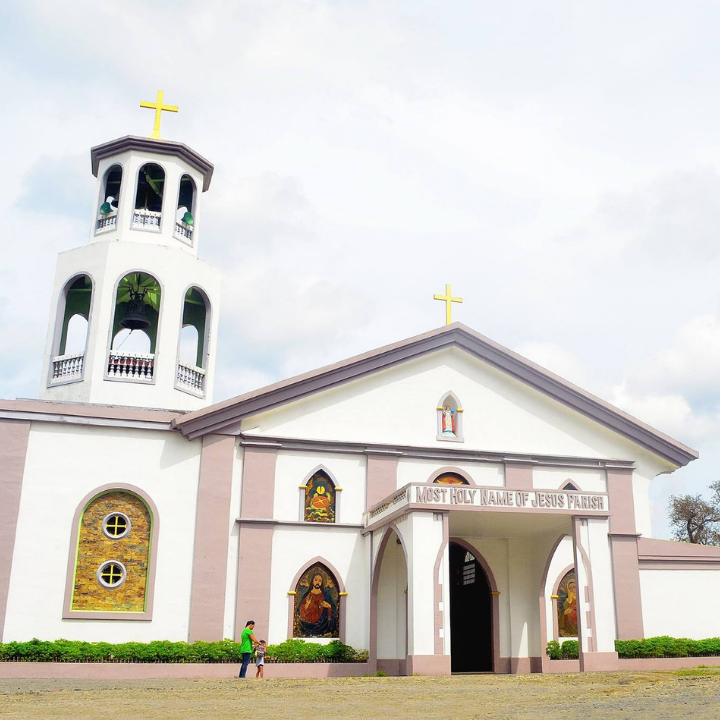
398 406
64 464
233 546
584 479
345 549
680 603
292 470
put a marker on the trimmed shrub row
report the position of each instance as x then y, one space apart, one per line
657 647
163 651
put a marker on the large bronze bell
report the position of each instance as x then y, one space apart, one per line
135 317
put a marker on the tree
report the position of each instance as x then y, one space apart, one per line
694 519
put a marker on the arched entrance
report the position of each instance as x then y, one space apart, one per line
471 635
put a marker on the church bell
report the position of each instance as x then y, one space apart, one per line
135 317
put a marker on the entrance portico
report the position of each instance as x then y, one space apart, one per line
457 572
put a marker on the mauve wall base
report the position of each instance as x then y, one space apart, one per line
154 671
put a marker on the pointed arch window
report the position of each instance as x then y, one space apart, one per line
449 414
570 486
113 552
185 214
316 611
149 198
73 319
320 499
110 200
193 354
135 328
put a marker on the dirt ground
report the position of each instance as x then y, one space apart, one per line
656 696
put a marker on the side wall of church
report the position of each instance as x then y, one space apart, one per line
681 603
64 464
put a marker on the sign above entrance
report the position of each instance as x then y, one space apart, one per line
420 496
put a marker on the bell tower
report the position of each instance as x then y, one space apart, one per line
135 311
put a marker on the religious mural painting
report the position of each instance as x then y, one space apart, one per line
450 478
113 554
317 604
567 606
320 499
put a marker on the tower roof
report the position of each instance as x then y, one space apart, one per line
161 147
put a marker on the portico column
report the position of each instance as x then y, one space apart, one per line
426 537
623 546
596 611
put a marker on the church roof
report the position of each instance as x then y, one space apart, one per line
228 413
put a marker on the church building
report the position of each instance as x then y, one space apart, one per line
442 501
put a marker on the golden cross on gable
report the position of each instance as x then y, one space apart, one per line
448 299
158 107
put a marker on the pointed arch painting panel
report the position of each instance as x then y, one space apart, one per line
316 607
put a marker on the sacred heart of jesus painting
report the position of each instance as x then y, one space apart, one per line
316 604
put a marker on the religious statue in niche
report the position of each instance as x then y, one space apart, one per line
316 604
320 499
448 420
567 606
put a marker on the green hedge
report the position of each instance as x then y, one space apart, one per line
163 651
656 647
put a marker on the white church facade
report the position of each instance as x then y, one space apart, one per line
442 501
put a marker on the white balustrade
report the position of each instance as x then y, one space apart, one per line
133 367
146 220
183 231
106 223
67 367
191 378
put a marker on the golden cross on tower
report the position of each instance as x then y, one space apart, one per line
158 107
448 299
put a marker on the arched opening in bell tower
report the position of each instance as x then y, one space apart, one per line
185 214
73 318
135 327
109 201
192 352
149 197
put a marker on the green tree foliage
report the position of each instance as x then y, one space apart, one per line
694 519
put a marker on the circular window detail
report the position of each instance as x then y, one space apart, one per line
111 574
116 525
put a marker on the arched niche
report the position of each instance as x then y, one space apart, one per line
109 200
317 602
449 414
185 213
149 197
112 558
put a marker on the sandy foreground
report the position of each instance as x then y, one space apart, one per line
655 695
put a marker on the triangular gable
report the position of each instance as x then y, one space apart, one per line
222 416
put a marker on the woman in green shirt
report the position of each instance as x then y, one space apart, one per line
247 639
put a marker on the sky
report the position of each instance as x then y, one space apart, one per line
558 163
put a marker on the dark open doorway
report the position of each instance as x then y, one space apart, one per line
470 613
